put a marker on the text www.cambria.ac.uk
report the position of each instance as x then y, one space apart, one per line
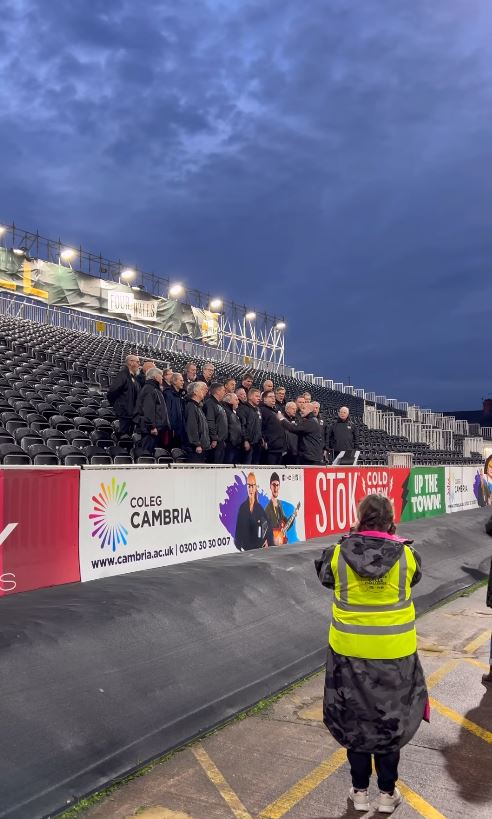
132 557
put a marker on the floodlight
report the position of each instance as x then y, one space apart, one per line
176 290
216 304
67 254
127 274
280 325
251 315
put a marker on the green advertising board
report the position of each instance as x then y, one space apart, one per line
424 493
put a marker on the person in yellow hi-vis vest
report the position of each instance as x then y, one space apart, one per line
375 694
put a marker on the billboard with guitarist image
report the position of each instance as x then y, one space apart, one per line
263 509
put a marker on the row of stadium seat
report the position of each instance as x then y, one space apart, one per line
53 383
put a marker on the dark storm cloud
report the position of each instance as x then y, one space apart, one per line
327 161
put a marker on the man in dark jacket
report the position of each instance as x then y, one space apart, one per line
487 678
207 374
174 398
197 438
343 435
189 374
217 423
123 392
150 411
321 421
253 530
310 436
142 376
251 418
291 457
272 431
234 446
280 393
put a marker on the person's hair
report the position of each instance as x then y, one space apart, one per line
132 355
175 377
208 364
147 365
188 365
375 514
215 387
291 404
486 464
167 370
248 375
274 477
152 373
229 397
315 404
252 391
267 392
194 387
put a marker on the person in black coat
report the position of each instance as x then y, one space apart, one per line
151 416
280 400
142 376
251 420
217 423
343 435
197 438
487 678
311 440
123 392
174 398
234 446
272 431
253 530
291 457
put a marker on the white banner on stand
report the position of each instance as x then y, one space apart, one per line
466 488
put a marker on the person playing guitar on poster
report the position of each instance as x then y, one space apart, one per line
276 516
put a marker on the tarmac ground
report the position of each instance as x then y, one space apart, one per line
280 761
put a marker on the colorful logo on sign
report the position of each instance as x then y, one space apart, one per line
106 515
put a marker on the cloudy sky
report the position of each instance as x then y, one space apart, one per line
328 160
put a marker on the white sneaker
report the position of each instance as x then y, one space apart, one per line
388 803
360 799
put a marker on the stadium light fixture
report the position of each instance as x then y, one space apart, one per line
280 325
216 304
251 315
19 251
128 274
67 254
2 230
176 290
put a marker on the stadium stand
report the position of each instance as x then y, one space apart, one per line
53 406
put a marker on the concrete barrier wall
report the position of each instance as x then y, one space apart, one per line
99 677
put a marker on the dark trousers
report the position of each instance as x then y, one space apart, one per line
126 426
149 443
386 769
194 458
272 458
256 450
234 455
217 454
306 462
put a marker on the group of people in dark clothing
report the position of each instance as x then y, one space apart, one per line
222 422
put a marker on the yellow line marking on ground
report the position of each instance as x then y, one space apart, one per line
463 721
472 661
304 787
441 672
477 642
418 803
220 783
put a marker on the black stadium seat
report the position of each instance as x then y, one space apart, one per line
42 455
12 455
97 455
71 456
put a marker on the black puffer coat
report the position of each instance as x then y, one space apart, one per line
123 392
151 410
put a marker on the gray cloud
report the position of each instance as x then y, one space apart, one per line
324 161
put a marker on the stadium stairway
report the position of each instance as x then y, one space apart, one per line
98 678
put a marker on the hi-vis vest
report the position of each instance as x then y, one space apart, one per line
373 618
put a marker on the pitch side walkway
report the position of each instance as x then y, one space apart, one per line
281 762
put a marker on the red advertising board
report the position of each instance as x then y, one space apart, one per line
331 495
39 514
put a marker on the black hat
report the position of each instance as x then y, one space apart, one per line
274 477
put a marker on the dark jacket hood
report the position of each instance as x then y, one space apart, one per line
372 555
